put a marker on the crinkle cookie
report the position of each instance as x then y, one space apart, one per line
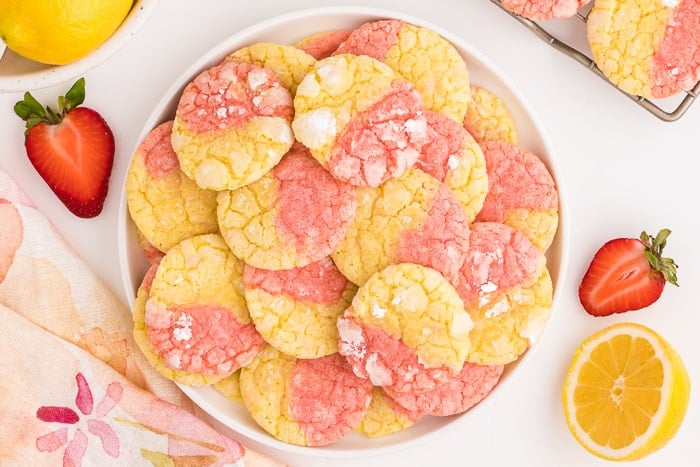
289 63
232 124
507 290
648 48
359 119
406 329
414 219
322 44
195 316
308 402
295 214
385 416
296 310
166 205
457 395
522 192
422 57
544 9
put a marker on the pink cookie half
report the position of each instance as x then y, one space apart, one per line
544 9
308 402
457 395
386 360
323 44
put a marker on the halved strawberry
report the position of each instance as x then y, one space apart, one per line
72 149
627 274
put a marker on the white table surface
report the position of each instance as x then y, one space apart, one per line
622 171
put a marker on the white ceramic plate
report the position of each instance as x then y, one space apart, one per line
18 74
288 29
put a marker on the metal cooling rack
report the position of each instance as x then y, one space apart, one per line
668 110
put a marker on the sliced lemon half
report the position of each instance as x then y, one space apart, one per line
626 392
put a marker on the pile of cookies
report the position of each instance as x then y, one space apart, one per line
344 234
648 48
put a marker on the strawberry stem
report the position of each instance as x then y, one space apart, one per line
32 112
654 249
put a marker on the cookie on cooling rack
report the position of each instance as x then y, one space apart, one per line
649 48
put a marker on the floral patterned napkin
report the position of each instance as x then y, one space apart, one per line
74 387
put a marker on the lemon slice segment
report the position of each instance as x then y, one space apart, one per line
626 392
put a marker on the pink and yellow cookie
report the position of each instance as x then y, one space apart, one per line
406 329
544 9
648 48
295 310
289 63
307 402
166 205
507 290
232 125
322 44
385 416
295 214
455 158
142 340
196 317
419 55
359 119
414 219
488 118
457 395
522 192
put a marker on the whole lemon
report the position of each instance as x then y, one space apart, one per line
57 32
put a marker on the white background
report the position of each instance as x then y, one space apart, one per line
621 171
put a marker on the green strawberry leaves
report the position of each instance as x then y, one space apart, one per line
33 113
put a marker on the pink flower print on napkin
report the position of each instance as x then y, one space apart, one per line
11 235
76 447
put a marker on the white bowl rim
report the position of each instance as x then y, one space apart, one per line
57 74
226 45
